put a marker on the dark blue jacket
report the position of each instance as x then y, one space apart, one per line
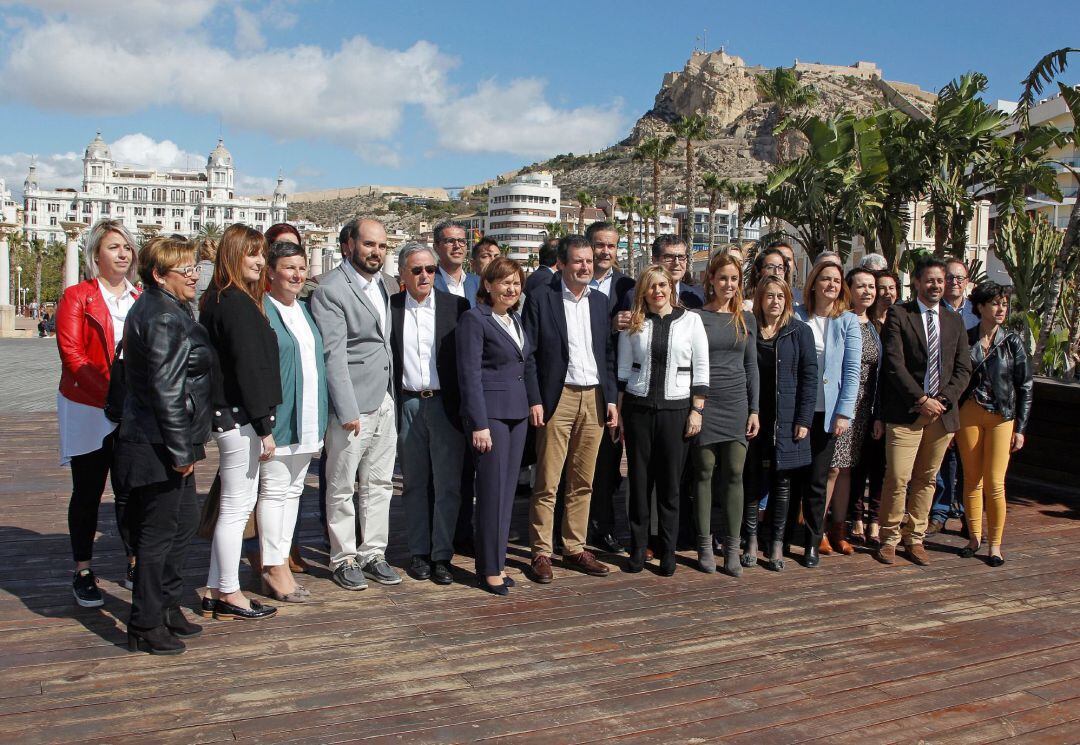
545 323
491 370
691 296
795 389
472 284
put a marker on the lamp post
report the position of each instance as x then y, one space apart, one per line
18 291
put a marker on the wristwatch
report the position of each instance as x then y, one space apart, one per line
698 409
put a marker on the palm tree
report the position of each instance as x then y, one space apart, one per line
781 87
655 150
630 205
555 229
742 193
647 212
211 231
584 199
714 186
1043 72
690 128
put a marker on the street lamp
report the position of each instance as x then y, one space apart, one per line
18 292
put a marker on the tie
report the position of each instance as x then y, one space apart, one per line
933 355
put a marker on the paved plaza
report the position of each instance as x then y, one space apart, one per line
29 375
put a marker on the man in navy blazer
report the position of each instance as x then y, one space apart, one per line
572 395
546 257
672 253
452 247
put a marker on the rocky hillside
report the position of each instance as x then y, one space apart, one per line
394 214
721 88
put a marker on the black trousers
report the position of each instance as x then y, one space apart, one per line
496 483
813 483
164 518
655 454
866 481
760 470
606 482
463 531
88 474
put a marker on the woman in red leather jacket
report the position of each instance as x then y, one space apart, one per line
89 325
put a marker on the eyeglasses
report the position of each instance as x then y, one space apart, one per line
774 268
418 270
957 279
186 271
454 241
674 258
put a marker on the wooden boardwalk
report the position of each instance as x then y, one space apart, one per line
855 652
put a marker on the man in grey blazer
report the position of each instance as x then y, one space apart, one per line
351 309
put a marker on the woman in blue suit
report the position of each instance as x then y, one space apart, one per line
838 343
491 353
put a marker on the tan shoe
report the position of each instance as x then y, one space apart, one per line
886 554
916 553
825 548
839 543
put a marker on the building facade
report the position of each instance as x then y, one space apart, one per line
519 212
147 200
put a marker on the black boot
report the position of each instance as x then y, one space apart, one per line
157 640
810 554
176 622
749 557
636 562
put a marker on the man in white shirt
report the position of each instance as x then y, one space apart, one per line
431 446
572 396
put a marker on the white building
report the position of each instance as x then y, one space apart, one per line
725 226
9 210
147 200
519 212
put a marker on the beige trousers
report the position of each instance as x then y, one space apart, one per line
570 439
913 454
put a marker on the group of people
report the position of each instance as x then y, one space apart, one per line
744 407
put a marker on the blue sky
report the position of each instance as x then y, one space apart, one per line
430 94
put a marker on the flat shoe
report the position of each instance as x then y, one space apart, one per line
227 611
967 552
995 561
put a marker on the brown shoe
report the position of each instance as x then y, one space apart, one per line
540 569
916 553
886 554
825 548
297 565
935 526
839 543
585 562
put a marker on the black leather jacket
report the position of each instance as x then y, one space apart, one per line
1009 370
169 363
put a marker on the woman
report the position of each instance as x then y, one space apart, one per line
838 344
283 231
491 352
90 323
168 369
993 416
862 287
887 286
246 393
663 381
207 256
788 374
731 412
300 419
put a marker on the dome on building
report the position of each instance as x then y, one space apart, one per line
219 157
97 149
279 190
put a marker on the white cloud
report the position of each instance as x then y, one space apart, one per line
141 150
101 58
54 171
517 119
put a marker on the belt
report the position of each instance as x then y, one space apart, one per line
427 393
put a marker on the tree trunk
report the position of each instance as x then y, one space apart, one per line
688 227
39 263
656 195
941 230
712 222
1057 279
630 241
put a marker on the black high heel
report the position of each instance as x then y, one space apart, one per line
967 551
500 590
157 640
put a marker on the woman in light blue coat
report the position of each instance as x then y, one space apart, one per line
838 344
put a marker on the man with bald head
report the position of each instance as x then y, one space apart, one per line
351 309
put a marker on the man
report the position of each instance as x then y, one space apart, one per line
619 290
484 251
431 446
671 252
451 246
792 270
925 370
948 502
874 262
350 306
547 256
570 377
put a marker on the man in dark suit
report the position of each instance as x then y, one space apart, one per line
452 248
572 395
431 448
672 253
924 372
547 257
619 289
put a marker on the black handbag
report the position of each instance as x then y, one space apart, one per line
114 399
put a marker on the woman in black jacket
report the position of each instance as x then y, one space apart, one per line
244 399
787 371
993 416
169 364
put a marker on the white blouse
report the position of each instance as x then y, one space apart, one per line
310 436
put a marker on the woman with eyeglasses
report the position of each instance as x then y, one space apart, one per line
89 325
994 413
246 395
169 365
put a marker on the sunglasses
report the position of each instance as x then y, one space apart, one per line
418 270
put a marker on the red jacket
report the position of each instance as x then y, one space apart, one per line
84 335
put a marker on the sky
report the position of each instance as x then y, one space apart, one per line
333 93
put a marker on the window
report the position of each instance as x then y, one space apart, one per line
159 212
240 216
211 212
177 213
52 220
54 207
119 209
219 177
176 226
95 170
138 194
228 213
158 195
140 212
178 195
260 216
195 226
87 208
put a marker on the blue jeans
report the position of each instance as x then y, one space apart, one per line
947 498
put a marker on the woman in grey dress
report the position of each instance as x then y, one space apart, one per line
861 283
731 411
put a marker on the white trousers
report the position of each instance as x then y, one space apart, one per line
239 470
368 457
281 482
